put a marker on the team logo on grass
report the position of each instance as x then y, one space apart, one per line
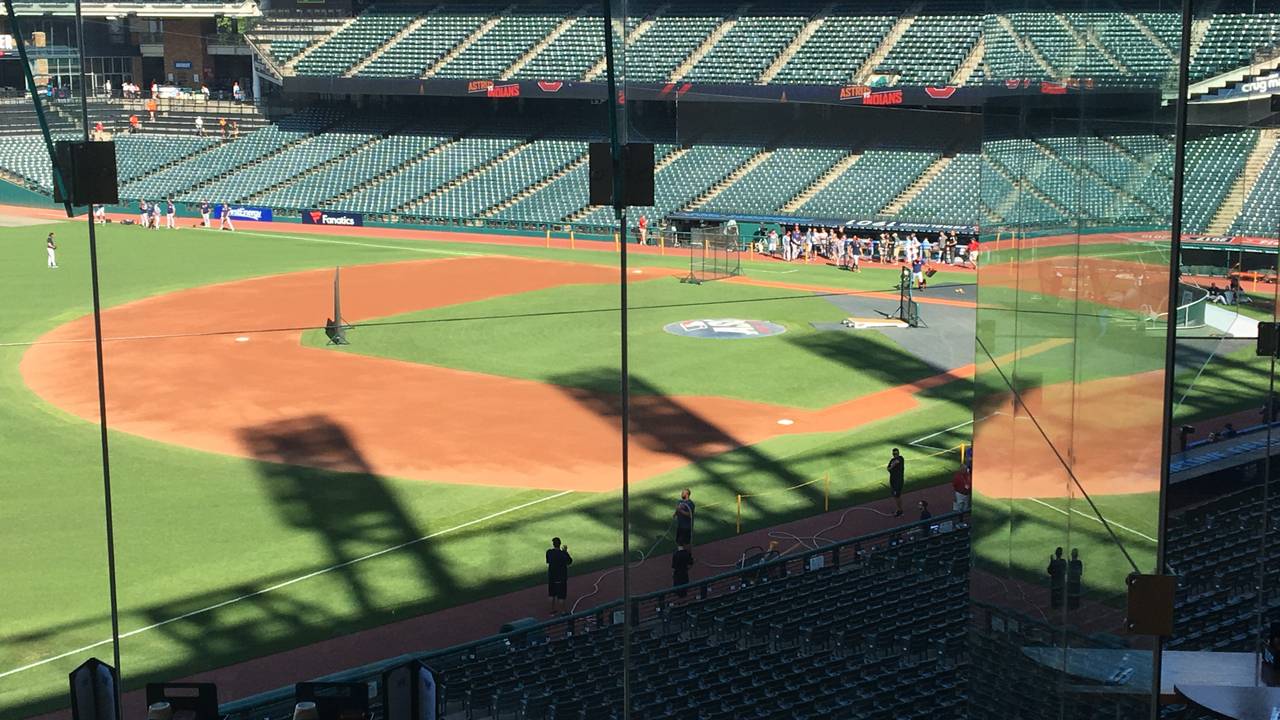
726 328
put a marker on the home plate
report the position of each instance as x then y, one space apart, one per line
786 421
866 323
242 338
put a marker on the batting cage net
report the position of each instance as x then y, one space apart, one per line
714 253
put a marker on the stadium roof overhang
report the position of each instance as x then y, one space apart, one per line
244 8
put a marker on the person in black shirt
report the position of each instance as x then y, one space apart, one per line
681 561
924 510
1057 571
558 562
684 518
897 468
1075 573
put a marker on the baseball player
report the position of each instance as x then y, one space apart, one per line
225 223
142 213
204 213
100 214
169 214
51 248
155 215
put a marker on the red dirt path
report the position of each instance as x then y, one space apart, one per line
207 390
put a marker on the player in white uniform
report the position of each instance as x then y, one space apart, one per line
51 248
143 214
169 214
204 214
99 214
225 223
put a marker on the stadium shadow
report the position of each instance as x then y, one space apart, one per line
349 514
665 426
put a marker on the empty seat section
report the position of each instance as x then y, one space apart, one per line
497 182
554 201
744 52
288 163
570 55
933 48
949 197
498 49
1213 165
1231 41
139 153
1261 212
355 42
418 179
869 184
421 48
669 41
677 184
381 157
769 185
224 158
847 37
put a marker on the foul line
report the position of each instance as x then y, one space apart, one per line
361 244
1081 514
284 584
918 441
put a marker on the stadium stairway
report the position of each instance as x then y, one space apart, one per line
290 67
462 179
728 180
1091 175
545 42
916 187
794 46
1025 47
900 28
970 64
635 34
302 175
475 36
707 45
388 175
576 163
1233 202
377 52
826 179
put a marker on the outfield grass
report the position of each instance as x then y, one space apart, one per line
524 336
194 529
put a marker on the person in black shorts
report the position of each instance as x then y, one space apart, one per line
897 468
558 562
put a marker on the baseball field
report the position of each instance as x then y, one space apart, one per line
270 491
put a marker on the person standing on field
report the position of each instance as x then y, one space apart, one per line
558 562
51 248
169 214
225 221
897 468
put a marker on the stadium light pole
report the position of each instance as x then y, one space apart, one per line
624 368
102 379
1171 328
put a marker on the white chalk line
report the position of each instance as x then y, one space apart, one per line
1144 536
919 442
776 272
285 584
431 251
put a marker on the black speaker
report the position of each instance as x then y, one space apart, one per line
1267 332
93 691
636 188
89 170
409 692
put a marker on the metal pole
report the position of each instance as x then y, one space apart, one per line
1171 331
102 378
